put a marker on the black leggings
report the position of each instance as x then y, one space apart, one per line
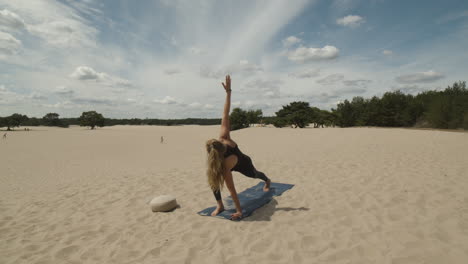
254 174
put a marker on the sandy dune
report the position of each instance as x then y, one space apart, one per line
362 195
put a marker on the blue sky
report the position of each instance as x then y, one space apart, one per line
167 58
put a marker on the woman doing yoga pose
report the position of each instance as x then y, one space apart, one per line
225 156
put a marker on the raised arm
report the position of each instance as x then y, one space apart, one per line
225 124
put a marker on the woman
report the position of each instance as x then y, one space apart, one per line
224 156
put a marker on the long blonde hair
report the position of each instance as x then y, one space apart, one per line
215 163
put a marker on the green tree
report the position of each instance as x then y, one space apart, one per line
319 117
238 119
465 121
345 114
91 119
278 122
3 122
395 109
241 119
438 113
15 120
51 119
254 116
458 95
298 114
326 118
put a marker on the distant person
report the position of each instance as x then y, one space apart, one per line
224 156
162 139
4 136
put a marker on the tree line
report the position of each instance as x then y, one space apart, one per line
94 119
447 109
436 109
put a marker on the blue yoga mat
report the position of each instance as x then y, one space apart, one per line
251 199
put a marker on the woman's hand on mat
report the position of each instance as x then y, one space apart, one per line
227 85
237 215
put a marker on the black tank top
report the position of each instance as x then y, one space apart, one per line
243 161
233 151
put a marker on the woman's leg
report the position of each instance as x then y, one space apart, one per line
246 167
260 175
219 203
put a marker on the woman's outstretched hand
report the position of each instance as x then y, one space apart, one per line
227 85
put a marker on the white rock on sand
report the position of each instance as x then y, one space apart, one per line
361 195
163 203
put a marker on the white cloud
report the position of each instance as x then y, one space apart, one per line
257 23
351 90
86 7
420 77
308 73
64 91
303 54
331 79
10 98
166 100
260 83
56 23
208 72
9 45
291 40
387 52
10 21
63 105
93 101
260 88
64 33
359 82
37 96
84 73
87 73
350 21
243 67
195 105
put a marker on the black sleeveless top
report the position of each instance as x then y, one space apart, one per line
244 163
233 151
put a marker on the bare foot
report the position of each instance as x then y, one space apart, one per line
266 188
217 211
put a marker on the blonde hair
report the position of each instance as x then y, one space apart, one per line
215 163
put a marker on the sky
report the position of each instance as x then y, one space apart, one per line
167 58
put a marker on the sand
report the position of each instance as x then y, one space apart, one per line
362 195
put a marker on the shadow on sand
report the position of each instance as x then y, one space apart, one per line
264 213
